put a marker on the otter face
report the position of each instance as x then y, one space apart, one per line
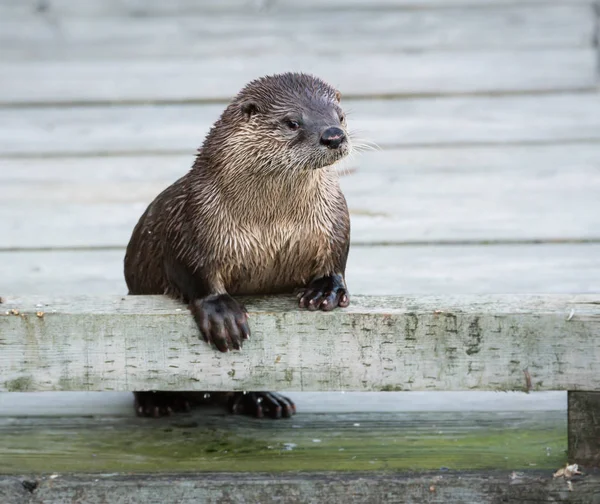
298 117
316 130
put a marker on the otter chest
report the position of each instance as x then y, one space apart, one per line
273 259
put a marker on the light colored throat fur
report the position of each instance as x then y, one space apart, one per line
278 240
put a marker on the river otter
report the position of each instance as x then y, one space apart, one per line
260 212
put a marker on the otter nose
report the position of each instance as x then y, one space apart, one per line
333 137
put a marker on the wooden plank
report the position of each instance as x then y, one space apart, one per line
408 343
12 491
584 428
209 440
125 36
518 193
390 271
217 78
41 132
531 487
149 8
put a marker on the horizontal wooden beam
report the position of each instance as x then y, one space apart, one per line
379 343
452 488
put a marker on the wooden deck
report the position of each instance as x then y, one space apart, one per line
487 115
486 181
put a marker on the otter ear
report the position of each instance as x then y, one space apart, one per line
249 109
338 96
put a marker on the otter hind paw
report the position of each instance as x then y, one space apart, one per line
160 404
260 404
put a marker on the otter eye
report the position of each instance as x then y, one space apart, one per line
293 125
342 118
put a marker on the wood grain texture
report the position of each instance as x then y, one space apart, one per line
209 440
217 78
584 428
12 490
402 343
386 271
127 35
517 193
153 129
149 8
529 487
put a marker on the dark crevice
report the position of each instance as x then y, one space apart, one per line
30 485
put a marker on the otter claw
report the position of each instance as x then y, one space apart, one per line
222 321
325 294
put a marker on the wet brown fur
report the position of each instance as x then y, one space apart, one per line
258 213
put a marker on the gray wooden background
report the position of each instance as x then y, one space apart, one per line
486 114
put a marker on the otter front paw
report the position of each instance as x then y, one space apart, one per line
325 294
222 321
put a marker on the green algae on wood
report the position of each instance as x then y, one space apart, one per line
307 442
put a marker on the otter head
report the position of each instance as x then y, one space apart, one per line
282 123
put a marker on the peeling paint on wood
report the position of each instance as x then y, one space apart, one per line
379 343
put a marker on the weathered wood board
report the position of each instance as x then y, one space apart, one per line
218 78
211 440
584 427
530 487
476 194
180 129
507 160
50 35
379 343
148 8
386 271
